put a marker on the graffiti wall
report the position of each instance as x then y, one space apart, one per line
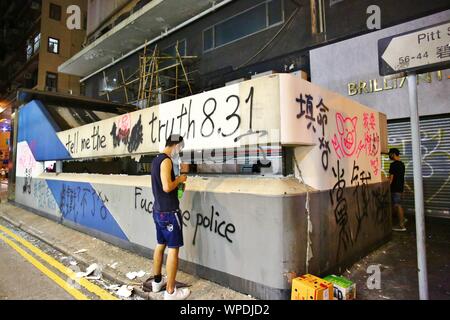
343 136
226 220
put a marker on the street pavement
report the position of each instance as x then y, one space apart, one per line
396 260
20 280
114 262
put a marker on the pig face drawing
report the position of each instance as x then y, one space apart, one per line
347 133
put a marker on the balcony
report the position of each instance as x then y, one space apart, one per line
154 19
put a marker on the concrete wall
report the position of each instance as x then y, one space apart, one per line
256 239
354 63
248 233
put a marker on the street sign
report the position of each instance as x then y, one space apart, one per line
422 50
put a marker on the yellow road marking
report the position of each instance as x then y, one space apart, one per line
105 295
63 284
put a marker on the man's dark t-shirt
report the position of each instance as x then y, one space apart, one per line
164 202
397 169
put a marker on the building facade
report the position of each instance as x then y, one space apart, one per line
350 67
41 41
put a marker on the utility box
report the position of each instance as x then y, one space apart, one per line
309 287
344 289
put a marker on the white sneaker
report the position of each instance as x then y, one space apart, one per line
178 294
157 287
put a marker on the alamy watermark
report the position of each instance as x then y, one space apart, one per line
374 280
74 17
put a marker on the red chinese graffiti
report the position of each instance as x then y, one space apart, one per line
371 142
345 143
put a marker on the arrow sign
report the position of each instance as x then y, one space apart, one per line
422 50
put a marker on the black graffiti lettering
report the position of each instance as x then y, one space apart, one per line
309 112
186 217
98 141
144 203
28 179
161 126
322 118
340 210
137 136
152 125
208 118
213 224
230 228
233 115
75 200
361 195
180 117
191 123
250 99
250 131
85 144
325 147
71 145
382 202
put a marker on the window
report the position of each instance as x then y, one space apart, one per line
29 50
208 39
53 45
37 43
51 82
255 19
33 45
55 12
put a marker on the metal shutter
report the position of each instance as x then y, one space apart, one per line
435 138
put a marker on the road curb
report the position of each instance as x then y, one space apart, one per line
107 274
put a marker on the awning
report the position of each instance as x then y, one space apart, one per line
73 111
151 21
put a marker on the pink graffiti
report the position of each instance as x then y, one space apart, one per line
124 126
375 164
345 144
371 143
26 158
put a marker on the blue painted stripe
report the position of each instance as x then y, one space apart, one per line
80 203
37 127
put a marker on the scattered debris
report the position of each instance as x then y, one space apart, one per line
73 263
93 267
125 291
113 287
114 265
80 251
134 275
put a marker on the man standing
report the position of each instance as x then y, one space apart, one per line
168 219
397 180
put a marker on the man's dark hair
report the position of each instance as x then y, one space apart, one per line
174 140
394 151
